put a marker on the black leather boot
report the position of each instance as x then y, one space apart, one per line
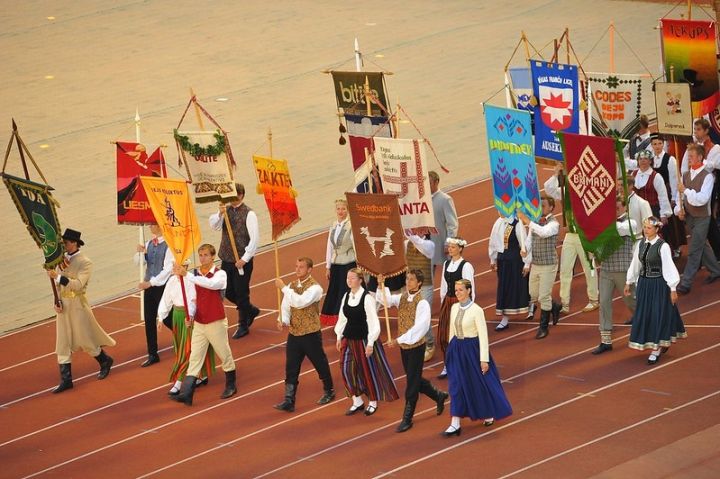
230 386
186 391
329 391
105 362
555 311
408 413
65 379
288 403
243 329
544 322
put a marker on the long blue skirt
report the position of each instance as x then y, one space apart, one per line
656 322
473 394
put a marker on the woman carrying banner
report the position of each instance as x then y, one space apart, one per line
454 269
656 322
473 380
505 250
339 259
364 367
172 300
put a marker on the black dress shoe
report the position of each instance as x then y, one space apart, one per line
711 279
152 359
653 359
253 314
502 327
682 289
602 347
454 432
370 410
354 409
240 332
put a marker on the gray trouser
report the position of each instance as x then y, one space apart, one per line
426 293
699 251
608 284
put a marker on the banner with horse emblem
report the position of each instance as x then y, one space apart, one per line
377 233
556 91
133 162
402 165
275 185
36 206
512 162
591 191
172 207
208 163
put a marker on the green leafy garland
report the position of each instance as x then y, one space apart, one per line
196 150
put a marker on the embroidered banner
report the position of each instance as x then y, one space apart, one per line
275 184
620 99
350 92
522 88
132 162
36 206
377 233
555 87
674 111
512 162
591 191
402 165
174 212
689 47
207 161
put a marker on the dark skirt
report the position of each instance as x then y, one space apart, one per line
369 376
513 292
337 287
473 394
656 322
444 323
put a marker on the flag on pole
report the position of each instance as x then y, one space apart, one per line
275 185
174 212
208 163
133 162
591 191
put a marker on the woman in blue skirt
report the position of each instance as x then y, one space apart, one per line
656 322
473 380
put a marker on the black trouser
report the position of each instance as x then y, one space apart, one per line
412 361
238 288
309 345
151 298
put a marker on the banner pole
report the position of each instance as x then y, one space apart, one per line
141 232
381 285
367 96
612 47
275 245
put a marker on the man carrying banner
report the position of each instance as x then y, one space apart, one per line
300 311
246 233
159 263
76 325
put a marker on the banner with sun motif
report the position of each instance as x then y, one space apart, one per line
512 162
689 56
556 95
591 191
133 162
275 185
174 213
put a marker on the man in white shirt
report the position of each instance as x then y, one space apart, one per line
638 208
446 220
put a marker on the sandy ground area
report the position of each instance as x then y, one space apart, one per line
74 72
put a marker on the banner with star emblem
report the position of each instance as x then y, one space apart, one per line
590 191
620 99
512 162
403 171
133 161
556 91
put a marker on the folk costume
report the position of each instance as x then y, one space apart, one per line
358 327
339 259
300 311
507 238
419 253
246 232
674 231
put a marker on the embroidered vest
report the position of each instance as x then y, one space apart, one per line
304 320
650 261
238 223
406 318
416 260
544 251
343 248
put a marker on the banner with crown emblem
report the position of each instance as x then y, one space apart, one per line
556 95
512 162
591 191
208 162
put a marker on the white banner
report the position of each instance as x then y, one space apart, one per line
207 164
620 99
403 171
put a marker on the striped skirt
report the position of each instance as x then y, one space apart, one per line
182 337
444 323
369 376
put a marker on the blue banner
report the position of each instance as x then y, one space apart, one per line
555 87
512 162
522 87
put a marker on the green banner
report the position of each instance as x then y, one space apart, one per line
37 209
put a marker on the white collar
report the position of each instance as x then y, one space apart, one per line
654 240
467 305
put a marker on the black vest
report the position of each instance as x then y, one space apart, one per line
650 260
356 327
450 278
664 171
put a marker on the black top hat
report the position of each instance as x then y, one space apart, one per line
72 235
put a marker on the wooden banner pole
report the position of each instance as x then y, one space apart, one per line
275 244
381 285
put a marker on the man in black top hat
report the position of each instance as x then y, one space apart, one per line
77 327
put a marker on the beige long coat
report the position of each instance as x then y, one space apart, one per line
77 327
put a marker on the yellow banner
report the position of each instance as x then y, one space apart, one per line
274 183
172 207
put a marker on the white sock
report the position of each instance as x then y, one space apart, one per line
504 321
176 386
373 404
357 401
444 371
454 424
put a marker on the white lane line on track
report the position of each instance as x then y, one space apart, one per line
546 410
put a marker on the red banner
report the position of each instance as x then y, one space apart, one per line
132 162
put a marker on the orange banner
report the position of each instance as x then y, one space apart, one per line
172 207
274 183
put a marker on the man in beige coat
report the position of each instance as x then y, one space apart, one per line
77 327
